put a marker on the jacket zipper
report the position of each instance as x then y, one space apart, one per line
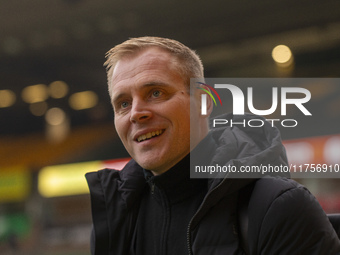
165 206
199 209
152 188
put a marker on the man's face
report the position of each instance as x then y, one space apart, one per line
152 109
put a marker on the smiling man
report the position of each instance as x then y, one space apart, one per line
153 207
151 103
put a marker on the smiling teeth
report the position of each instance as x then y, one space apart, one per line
149 135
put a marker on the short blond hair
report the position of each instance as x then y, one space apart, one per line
189 64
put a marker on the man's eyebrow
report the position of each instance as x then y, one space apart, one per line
116 98
145 85
155 83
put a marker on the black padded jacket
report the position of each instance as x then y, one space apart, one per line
284 217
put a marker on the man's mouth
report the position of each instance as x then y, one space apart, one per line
149 135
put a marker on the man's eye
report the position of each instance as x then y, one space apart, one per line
124 104
156 93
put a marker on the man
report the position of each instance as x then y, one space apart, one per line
152 206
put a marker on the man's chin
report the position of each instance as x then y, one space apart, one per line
152 166
147 164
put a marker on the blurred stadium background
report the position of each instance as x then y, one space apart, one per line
56 121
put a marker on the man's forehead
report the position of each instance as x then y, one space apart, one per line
149 58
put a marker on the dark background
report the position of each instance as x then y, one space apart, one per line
43 41
66 40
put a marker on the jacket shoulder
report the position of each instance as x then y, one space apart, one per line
285 218
113 203
101 177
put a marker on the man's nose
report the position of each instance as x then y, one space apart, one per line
140 111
